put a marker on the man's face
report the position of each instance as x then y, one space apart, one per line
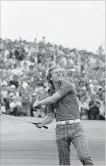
4 87
57 75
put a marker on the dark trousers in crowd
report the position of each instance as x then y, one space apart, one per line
16 111
6 101
31 110
93 113
72 133
26 109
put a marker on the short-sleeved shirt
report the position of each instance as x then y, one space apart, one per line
67 107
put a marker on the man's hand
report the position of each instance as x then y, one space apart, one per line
36 104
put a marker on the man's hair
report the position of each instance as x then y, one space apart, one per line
49 75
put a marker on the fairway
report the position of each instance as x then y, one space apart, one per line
24 144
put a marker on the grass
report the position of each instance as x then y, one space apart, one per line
24 144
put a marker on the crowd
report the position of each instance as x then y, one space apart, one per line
23 70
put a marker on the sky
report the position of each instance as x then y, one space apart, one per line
74 24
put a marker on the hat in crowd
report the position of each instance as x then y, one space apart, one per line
34 94
90 81
11 94
13 86
14 97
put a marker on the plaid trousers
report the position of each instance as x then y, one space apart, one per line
72 133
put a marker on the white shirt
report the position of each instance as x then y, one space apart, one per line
15 104
4 93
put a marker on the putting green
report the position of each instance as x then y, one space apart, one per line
24 144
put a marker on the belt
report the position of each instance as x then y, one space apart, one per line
68 121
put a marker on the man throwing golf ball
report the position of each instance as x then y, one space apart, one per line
62 98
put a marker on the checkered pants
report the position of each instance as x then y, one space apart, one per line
72 133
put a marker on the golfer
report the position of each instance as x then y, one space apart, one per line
62 98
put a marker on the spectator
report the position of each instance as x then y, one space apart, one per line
15 107
94 108
14 81
84 107
33 112
26 101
